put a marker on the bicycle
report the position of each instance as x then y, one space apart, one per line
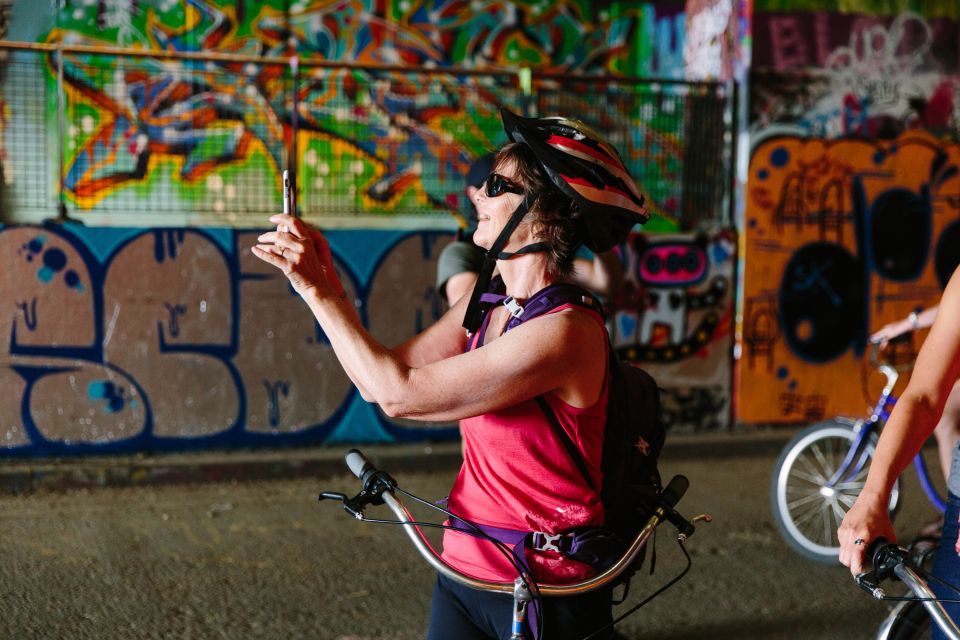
913 616
379 488
821 471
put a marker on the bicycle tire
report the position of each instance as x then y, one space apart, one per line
908 621
807 513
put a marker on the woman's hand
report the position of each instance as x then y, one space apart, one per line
302 254
890 331
867 520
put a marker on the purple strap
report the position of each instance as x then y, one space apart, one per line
518 539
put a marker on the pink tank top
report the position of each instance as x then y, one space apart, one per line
516 474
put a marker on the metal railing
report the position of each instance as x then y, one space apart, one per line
118 136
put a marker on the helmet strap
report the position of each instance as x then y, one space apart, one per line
536 247
474 314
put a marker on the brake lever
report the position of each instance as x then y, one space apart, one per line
353 506
868 582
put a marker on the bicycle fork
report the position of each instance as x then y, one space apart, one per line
521 599
856 457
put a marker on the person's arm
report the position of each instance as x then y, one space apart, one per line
602 275
460 286
444 338
912 421
535 358
458 266
913 322
307 261
557 352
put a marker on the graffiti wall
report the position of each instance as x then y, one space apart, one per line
843 236
160 331
833 74
154 339
208 140
134 340
675 319
852 196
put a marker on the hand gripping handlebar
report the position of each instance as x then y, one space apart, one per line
890 560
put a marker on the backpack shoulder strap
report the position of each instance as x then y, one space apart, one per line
540 303
548 299
564 438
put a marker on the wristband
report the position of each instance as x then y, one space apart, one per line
914 318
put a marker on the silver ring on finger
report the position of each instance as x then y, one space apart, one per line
282 249
858 541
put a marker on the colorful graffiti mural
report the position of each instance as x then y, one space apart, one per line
828 75
140 340
841 238
188 136
708 53
675 319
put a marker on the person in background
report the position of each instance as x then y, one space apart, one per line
461 260
913 420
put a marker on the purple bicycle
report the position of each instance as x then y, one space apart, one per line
822 469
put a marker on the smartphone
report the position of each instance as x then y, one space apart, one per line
288 206
287 192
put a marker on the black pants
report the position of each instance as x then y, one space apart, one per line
467 614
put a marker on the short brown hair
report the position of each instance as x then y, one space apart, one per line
553 213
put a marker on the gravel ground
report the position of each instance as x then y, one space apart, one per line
263 559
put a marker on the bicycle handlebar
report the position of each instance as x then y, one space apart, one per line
890 559
378 488
877 346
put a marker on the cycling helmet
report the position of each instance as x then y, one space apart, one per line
584 166
588 169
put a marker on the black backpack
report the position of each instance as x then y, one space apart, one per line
634 434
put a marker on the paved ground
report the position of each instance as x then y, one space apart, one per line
262 559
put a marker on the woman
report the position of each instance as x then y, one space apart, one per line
912 421
557 185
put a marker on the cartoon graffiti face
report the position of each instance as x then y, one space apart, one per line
671 264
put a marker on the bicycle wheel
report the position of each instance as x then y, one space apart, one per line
907 621
806 511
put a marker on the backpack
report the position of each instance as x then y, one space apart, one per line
634 434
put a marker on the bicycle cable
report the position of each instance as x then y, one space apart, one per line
929 578
653 595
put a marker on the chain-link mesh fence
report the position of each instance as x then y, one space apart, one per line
206 140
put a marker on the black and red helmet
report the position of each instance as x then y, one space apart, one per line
584 166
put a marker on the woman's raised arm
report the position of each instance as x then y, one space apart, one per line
428 378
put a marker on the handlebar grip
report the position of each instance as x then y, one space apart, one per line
885 556
358 464
674 490
874 549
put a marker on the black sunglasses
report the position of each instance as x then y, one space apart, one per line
497 185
